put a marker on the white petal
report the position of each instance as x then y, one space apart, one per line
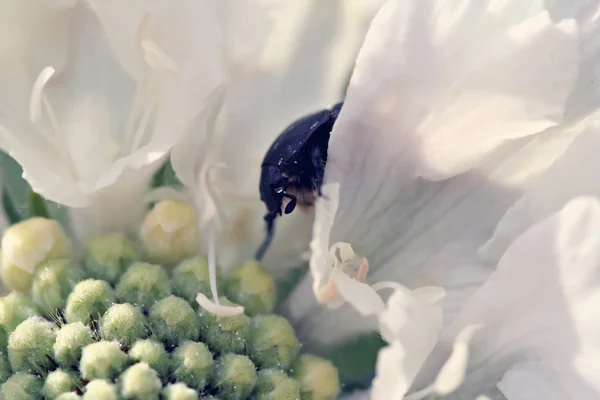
569 176
118 208
412 328
358 395
410 229
360 295
303 67
538 310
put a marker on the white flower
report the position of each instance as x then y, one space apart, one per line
529 332
302 65
95 93
454 109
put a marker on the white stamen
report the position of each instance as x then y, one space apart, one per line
154 56
218 309
157 59
37 93
136 141
212 263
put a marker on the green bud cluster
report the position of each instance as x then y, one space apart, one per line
118 327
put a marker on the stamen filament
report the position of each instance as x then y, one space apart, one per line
37 93
158 59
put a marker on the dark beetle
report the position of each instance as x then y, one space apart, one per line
293 167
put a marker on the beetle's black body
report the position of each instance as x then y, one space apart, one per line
293 167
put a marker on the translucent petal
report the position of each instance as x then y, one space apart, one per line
542 328
412 328
567 177
439 65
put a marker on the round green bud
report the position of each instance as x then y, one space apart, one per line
89 299
152 353
102 360
318 378
274 384
192 364
143 285
100 389
14 277
272 342
123 323
225 334
14 309
58 382
173 320
30 346
70 341
234 377
68 396
253 287
191 277
140 382
52 282
5 371
178 391
108 256
22 386
169 232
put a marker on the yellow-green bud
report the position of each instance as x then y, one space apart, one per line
169 232
26 245
178 391
70 341
192 364
102 360
225 334
234 377
123 323
152 353
191 277
253 287
143 285
318 378
14 309
272 342
100 389
5 371
52 282
173 320
30 346
89 299
273 384
108 256
140 382
22 386
58 382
